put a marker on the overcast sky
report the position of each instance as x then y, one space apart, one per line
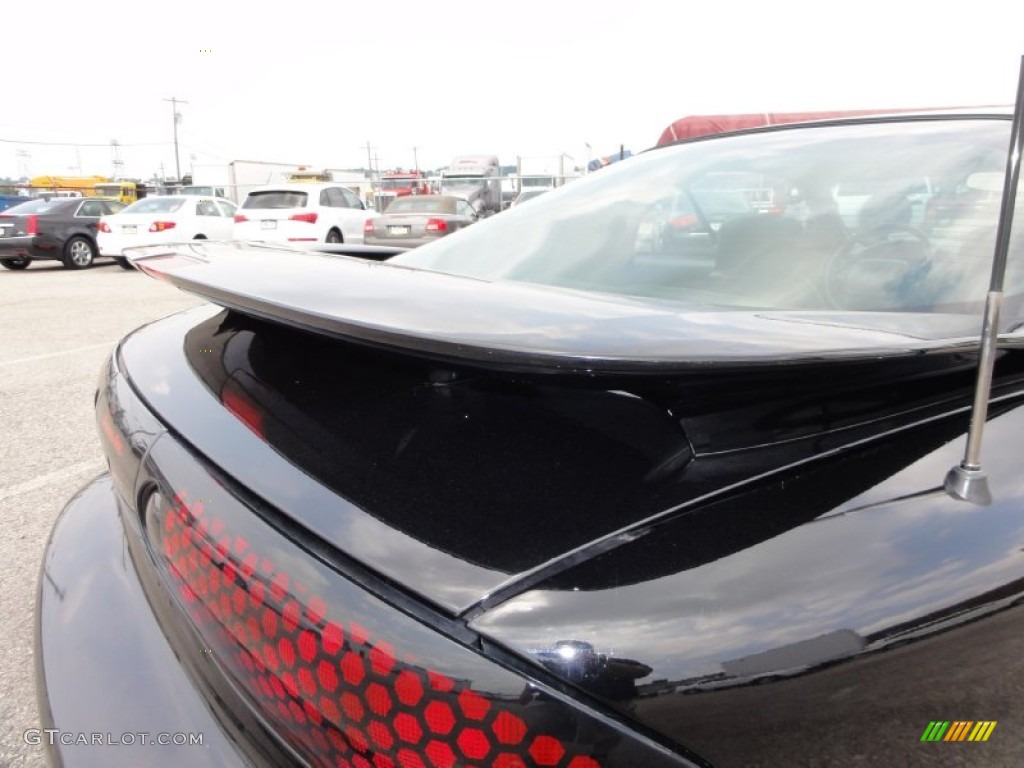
312 82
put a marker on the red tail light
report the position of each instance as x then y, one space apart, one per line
309 218
437 225
161 226
103 227
685 221
239 218
368 227
32 225
333 687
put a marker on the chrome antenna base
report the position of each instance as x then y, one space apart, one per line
968 484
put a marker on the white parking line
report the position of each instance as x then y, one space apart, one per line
109 344
40 481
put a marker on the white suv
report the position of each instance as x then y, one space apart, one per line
301 213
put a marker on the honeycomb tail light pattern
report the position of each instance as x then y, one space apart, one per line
337 691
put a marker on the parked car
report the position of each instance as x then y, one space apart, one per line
415 221
301 213
529 194
9 201
549 494
203 191
61 228
165 220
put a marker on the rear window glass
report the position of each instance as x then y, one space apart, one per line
42 206
530 193
873 217
276 199
155 205
426 204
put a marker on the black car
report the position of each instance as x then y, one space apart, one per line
61 228
556 492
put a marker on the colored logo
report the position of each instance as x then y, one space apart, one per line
958 730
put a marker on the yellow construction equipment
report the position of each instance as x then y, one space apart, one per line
67 186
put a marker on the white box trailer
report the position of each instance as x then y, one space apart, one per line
544 172
239 177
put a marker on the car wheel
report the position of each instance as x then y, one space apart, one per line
199 237
79 253
123 263
334 236
20 263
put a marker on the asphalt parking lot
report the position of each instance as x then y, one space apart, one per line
57 326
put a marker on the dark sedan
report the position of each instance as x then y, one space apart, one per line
556 492
61 228
419 219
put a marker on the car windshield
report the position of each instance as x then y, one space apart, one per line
423 204
396 183
276 199
879 216
456 182
155 205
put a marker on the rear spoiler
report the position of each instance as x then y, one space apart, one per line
371 252
522 327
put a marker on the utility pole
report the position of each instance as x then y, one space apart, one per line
415 159
374 180
369 158
24 158
177 118
115 152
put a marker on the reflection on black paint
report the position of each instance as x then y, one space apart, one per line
605 676
464 463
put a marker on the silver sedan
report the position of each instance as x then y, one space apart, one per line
419 219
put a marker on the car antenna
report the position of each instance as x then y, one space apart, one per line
967 481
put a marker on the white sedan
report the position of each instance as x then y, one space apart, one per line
169 219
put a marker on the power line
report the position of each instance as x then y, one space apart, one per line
81 144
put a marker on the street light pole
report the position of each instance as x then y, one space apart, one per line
177 163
